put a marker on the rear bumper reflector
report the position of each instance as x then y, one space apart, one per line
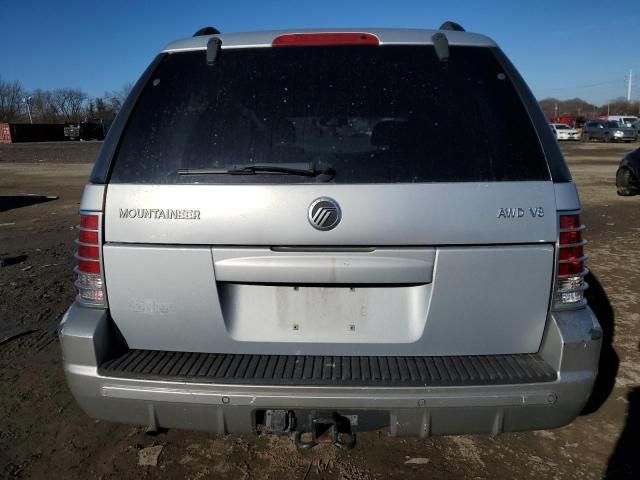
329 370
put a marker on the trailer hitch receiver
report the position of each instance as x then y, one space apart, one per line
334 429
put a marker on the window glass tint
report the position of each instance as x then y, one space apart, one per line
374 114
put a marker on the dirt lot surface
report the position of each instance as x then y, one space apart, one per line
43 433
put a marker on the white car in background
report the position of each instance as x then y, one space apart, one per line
564 132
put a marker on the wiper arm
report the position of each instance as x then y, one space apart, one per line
302 169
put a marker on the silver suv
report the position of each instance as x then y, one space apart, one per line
321 232
608 131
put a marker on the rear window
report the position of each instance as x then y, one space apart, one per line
373 114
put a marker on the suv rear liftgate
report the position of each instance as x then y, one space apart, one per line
340 231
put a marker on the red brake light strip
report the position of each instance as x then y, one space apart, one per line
325 39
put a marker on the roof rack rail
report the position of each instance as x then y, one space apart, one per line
206 31
448 25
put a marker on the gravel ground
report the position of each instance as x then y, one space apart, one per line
43 434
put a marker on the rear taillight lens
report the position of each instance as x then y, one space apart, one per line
89 279
570 284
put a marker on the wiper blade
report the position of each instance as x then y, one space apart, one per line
247 170
302 169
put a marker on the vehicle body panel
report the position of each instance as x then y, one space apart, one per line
372 215
217 309
450 314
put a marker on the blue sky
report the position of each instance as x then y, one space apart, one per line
562 48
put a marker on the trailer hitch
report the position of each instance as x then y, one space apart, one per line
335 429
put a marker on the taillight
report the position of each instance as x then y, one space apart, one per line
570 284
89 278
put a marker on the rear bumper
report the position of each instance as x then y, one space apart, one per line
571 345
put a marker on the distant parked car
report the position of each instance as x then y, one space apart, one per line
564 132
628 174
626 121
608 131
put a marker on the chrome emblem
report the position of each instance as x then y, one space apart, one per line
324 213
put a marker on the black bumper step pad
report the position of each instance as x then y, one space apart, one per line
227 368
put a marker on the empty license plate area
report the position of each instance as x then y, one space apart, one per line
320 314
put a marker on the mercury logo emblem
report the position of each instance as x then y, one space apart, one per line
324 213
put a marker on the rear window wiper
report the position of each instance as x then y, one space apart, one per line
302 169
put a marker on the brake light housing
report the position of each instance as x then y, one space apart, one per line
570 271
335 39
89 275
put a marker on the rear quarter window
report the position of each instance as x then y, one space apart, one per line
387 114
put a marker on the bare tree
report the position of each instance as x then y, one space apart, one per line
620 106
69 103
116 98
60 105
43 108
573 107
103 111
581 109
77 100
548 106
11 98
